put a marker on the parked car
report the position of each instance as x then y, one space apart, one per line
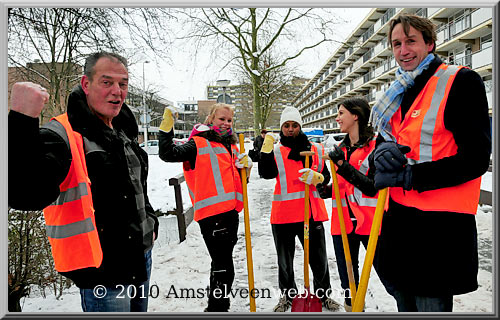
333 139
316 139
152 147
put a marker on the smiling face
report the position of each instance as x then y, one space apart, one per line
107 89
290 129
347 121
223 119
409 50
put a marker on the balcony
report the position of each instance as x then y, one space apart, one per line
463 61
368 55
482 58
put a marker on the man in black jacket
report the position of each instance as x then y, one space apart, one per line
116 168
434 119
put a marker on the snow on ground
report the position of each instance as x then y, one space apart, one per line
181 271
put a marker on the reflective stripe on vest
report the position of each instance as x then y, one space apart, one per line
362 206
70 230
429 122
423 130
358 195
214 185
72 194
221 194
289 192
285 196
70 221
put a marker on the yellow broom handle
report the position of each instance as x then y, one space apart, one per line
306 231
345 241
370 251
248 241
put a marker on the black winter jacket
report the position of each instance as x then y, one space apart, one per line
40 164
435 253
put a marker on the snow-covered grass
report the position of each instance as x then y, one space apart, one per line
178 268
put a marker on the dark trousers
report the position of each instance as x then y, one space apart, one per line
355 241
284 240
408 302
220 233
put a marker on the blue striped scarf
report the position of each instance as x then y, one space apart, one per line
388 104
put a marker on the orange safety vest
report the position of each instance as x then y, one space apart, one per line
424 132
214 185
288 200
362 206
70 220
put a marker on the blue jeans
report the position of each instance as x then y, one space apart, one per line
408 302
120 298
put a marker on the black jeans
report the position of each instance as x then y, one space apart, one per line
284 240
220 233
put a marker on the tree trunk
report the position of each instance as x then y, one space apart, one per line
257 111
15 295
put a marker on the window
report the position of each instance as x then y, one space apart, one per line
486 42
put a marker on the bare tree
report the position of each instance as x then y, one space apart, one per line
30 261
248 34
274 88
49 45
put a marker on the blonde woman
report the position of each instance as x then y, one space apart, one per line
211 168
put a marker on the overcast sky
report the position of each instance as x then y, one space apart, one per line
186 79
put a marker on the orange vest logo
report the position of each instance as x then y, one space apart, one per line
415 113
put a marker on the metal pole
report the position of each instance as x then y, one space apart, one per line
145 123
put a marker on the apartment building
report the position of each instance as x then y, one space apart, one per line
242 98
187 118
364 64
155 106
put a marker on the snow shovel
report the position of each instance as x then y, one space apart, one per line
345 241
248 241
359 301
306 302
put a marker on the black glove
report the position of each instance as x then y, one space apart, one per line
389 157
401 178
325 191
336 154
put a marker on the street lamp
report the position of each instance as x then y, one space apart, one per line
145 123
225 98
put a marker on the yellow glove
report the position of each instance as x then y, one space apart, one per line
168 120
268 144
310 176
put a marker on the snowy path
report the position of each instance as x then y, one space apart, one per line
181 271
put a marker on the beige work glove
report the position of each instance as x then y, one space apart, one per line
243 161
310 176
268 144
169 117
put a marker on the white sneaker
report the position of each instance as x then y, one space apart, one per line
283 304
